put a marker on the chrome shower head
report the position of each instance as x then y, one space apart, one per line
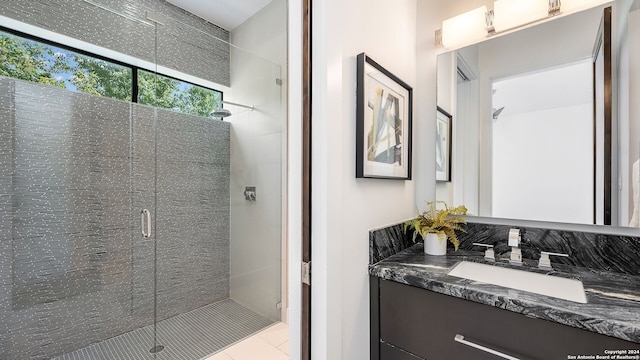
221 113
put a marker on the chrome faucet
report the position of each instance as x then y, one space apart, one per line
545 262
489 253
514 242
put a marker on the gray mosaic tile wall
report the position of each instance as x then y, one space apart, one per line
185 42
75 171
192 212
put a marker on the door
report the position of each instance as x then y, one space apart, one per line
215 245
70 238
191 221
143 233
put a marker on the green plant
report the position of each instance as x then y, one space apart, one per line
438 221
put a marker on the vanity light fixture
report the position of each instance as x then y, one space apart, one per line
554 7
465 28
475 25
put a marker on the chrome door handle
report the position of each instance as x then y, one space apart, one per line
145 214
459 338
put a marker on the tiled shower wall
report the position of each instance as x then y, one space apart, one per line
185 42
75 172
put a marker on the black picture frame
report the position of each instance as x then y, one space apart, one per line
444 145
383 123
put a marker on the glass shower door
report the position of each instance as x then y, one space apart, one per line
192 228
180 172
143 230
76 278
217 255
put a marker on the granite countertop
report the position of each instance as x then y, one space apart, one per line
613 299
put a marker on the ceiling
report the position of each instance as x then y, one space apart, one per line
560 87
227 14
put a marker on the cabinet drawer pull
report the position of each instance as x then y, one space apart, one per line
459 338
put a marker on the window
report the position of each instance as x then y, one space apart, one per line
31 60
176 95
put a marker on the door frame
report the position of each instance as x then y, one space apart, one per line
305 332
603 45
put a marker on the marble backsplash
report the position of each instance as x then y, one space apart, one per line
387 241
600 252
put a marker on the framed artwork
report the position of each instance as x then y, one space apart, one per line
383 128
444 135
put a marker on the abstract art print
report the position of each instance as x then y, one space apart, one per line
383 130
443 145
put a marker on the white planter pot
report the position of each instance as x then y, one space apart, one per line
435 244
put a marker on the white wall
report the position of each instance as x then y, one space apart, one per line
345 208
265 33
628 111
634 91
466 165
557 190
466 125
446 82
258 140
625 205
530 147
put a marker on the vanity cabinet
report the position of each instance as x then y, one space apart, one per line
413 323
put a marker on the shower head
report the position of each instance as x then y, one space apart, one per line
222 113
497 112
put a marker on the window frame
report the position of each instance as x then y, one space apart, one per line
134 69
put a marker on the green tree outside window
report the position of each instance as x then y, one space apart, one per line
30 60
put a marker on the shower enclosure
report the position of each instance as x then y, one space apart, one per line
124 228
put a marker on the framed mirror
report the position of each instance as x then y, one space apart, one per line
546 126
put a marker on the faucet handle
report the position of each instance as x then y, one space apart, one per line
545 262
488 254
514 237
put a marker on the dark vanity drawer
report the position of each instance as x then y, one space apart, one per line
425 323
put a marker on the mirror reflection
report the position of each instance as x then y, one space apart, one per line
544 123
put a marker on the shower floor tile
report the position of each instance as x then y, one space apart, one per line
190 336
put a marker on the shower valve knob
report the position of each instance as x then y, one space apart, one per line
250 193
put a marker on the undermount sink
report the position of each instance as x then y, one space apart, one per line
558 287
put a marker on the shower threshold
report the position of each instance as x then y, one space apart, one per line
189 336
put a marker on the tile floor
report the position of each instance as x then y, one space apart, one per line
271 343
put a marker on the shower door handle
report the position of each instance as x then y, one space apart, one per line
145 215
